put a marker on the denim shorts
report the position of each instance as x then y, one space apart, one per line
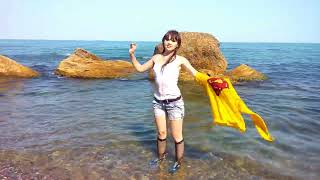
173 110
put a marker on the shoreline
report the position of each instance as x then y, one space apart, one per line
120 162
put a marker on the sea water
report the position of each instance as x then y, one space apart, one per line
58 128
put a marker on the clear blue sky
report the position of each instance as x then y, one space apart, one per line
147 20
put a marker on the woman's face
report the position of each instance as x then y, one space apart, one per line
170 44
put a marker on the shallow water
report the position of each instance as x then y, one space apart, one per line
56 128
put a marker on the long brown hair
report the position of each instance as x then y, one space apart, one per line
174 36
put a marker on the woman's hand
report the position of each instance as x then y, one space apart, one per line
140 68
133 47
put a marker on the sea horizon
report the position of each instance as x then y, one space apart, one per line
254 42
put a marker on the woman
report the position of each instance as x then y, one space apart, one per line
168 102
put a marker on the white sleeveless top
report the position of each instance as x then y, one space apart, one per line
167 81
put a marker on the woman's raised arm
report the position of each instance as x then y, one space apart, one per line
140 68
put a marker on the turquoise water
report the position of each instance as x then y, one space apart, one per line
56 127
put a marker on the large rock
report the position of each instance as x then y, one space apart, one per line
83 64
10 68
202 50
245 73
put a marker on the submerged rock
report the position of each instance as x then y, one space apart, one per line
10 68
245 73
83 64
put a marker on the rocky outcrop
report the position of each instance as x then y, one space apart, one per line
10 68
83 64
202 50
245 73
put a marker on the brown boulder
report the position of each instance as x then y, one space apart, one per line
238 74
10 68
83 64
202 50
245 73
